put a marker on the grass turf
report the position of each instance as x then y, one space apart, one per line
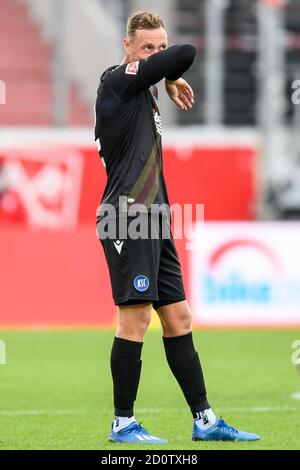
56 390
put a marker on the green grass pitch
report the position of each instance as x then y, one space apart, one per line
56 390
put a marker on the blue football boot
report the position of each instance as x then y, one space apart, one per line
135 434
221 431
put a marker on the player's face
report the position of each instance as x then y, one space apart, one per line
146 42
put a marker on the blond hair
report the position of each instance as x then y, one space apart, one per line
143 20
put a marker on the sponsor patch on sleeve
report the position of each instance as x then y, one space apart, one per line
132 68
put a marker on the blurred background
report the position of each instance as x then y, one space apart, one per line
237 152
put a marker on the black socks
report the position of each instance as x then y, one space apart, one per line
185 365
126 369
183 361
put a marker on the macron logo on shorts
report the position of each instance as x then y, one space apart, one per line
132 68
141 283
118 245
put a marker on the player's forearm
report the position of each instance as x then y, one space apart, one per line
187 55
171 63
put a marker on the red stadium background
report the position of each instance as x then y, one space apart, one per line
53 271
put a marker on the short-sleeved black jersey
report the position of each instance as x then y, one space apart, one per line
128 126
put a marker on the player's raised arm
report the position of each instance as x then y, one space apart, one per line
136 76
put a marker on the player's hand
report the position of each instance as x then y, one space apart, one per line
181 93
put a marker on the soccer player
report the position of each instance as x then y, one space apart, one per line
146 272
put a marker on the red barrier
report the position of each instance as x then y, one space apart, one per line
221 178
53 278
59 277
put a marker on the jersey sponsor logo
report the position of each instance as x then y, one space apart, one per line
118 245
158 123
141 283
132 68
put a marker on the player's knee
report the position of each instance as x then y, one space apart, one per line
184 319
187 321
179 325
134 323
143 321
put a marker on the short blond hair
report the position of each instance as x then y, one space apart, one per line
143 20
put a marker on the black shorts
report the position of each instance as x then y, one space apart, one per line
144 270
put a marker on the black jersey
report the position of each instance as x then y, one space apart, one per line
128 126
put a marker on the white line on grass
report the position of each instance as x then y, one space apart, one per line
37 412
254 409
